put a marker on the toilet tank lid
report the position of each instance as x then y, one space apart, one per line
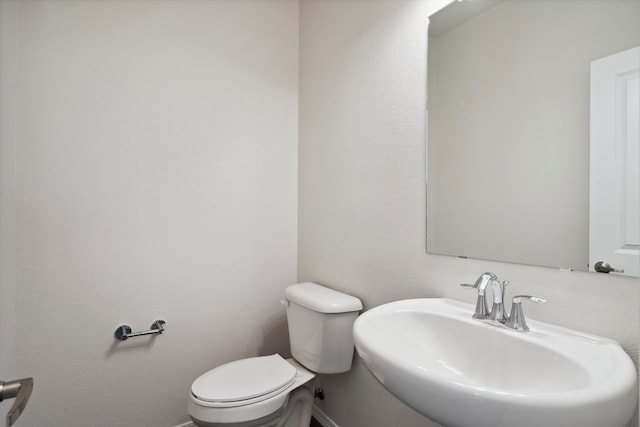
322 299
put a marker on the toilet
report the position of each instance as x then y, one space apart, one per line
270 391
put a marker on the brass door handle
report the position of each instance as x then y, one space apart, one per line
21 391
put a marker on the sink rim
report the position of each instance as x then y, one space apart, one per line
620 375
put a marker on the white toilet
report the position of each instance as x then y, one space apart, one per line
269 390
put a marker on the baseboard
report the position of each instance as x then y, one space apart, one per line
317 413
322 418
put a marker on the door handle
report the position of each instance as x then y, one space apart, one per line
21 391
605 267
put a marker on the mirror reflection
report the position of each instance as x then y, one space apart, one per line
509 129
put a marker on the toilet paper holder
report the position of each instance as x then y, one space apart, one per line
124 331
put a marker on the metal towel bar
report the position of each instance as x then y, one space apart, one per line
124 331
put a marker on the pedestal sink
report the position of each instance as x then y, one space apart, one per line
461 372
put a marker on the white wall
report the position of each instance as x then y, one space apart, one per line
156 165
7 207
7 176
362 194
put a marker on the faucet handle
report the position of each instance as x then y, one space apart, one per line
482 310
518 299
517 320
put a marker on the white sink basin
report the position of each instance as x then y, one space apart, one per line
461 372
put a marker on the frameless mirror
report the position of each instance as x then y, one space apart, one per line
509 126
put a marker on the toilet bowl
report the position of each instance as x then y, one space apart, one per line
270 391
227 396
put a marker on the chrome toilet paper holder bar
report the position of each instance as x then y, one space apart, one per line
124 331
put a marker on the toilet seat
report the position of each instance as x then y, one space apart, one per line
244 382
257 408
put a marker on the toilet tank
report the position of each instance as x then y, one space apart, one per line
321 327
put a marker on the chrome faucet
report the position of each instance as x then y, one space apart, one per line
497 313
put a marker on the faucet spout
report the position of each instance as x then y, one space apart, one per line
498 312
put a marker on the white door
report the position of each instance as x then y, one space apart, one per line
614 212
